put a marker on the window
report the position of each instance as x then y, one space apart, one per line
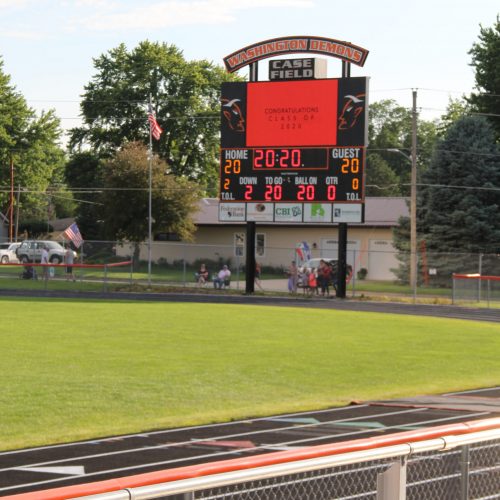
240 243
167 237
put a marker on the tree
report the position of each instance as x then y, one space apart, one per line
486 61
85 175
390 130
185 97
126 193
31 144
455 110
381 180
459 201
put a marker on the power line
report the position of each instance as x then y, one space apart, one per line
473 153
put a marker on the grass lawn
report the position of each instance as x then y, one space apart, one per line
80 369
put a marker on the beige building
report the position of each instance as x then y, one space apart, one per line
369 243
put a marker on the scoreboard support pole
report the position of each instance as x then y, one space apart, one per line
342 231
250 236
250 259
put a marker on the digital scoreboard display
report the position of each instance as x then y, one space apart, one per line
293 141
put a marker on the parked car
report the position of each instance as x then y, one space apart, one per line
31 251
8 252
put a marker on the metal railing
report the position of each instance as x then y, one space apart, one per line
475 288
455 462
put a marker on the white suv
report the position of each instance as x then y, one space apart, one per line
31 251
8 252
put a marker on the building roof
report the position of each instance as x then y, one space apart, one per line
383 211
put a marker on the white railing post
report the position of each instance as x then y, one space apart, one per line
391 484
464 473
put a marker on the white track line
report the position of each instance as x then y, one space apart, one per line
177 429
215 438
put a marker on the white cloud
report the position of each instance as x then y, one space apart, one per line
176 13
17 4
21 34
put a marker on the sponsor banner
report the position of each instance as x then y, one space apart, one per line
288 212
347 212
232 212
318 212
260 212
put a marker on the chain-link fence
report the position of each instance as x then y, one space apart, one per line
449 467
173 263
470 472
470 288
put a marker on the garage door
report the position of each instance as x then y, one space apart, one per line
381 259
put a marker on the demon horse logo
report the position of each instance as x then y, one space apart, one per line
233 114
353 107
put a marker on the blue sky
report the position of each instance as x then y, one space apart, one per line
47 46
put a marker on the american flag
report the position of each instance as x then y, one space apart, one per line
73 233
153 124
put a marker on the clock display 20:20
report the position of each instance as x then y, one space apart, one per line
292 174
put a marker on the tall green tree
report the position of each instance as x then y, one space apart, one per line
30 142
84 174
381 180
185 96
459 200
486 62
126 197
455 110
389 133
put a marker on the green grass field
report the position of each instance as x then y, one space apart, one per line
80 369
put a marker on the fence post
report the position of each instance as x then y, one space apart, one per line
391 484
353 277
105 282
184 272
479 282
237 271
464 473
453 289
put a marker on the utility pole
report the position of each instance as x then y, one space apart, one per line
413 197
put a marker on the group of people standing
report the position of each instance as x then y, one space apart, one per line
314 280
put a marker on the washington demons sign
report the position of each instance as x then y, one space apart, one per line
295 44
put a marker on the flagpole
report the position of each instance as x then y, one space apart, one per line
150 220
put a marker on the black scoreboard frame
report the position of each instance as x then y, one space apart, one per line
298 141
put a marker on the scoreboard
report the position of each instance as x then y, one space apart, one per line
293 143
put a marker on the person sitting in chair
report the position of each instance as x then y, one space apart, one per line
223 278
202 275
